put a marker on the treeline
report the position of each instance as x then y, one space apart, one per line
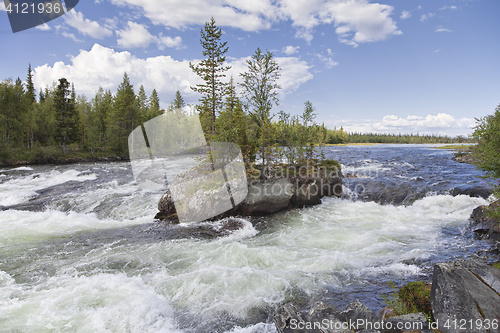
57 122
57 118
405 138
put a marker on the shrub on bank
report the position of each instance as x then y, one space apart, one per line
413 297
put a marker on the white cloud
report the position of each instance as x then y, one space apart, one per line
440 29
111 24
405 14
329 62
43 27
85 26
365 21
137 35
442 123
72 36
294 72
329 51
425 17
289 50
169 42
104 67
134 35
448 7
436 51
2 7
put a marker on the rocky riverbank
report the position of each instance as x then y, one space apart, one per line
465 297
486 227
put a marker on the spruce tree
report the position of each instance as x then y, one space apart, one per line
178 102
66 113
154 105
142 104
123 118
30 88
211 70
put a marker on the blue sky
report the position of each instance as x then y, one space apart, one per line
391 66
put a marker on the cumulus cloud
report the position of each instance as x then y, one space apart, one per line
448 7
137 35
289 50
442 123
134 35
405 14
363 21
85 26
102 66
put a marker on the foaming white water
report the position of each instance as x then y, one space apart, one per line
98 303
25 226
152 283
259 328
24 168
366 167
18 190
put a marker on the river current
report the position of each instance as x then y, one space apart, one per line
81 252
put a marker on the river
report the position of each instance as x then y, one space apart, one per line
80 251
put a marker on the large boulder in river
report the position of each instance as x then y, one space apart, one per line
272 193
465 296
472 191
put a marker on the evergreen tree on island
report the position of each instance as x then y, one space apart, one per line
211 70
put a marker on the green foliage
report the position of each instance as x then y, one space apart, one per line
122 118
178 102
486 154
211 70
260 90
413 297
67 116
403 138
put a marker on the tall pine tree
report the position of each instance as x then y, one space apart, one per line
211 70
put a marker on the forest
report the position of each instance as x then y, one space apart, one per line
56 125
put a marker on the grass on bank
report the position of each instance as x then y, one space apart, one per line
413 297
456 147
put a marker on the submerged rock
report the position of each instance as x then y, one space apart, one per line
465 296
472 191
390 193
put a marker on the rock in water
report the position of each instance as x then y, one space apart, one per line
465 297
484 225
